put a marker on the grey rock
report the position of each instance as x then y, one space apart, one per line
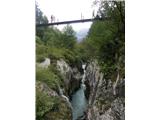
104 103
45 63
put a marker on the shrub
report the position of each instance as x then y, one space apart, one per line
44 104
48 77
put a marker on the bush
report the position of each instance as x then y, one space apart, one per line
40 58
48 77
44 104
55 53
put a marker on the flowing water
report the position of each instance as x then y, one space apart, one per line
79 102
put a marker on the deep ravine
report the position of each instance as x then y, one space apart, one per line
79 101
86 95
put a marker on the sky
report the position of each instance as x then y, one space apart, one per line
64 10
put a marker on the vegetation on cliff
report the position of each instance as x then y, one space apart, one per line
105 42
106 39
55 45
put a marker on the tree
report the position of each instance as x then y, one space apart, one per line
40 19
106 39
69 37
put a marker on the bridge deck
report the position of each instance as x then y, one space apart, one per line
70 22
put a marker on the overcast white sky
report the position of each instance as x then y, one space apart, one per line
68 10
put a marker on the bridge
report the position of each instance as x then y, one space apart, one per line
72 21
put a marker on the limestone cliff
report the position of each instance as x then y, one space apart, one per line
53 99
106 98
71 77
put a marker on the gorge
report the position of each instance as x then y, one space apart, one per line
82 80
79 101
90 99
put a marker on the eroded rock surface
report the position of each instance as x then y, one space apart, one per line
45 63
71 76
106 98
106 101
55 107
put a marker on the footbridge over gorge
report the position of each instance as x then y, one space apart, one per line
72 21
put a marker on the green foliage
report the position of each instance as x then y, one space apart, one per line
52 37
44 104
39 41
54 44
48 77
82 51
105 40
40 18
55 53
69 39
40 52
60 112
40 58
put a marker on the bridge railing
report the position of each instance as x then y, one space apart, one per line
71 21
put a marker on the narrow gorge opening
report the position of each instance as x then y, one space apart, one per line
79 101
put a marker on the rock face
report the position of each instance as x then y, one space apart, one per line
51 105
71 77
42 87
45 63
106 99
58 108
63 112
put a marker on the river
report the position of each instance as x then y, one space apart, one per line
79 101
